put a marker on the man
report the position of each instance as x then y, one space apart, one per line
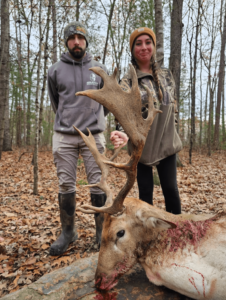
66 77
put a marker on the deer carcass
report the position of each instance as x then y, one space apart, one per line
185 253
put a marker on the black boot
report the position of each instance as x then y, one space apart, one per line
98 200
67 217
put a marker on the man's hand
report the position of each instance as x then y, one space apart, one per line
118 139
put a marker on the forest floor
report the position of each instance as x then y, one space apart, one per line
30 223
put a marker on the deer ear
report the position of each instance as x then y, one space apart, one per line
154 220
157 223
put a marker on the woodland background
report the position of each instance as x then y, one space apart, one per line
191 36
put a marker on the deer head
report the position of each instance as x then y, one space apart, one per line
134 231
127 108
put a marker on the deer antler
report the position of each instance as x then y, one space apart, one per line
126 107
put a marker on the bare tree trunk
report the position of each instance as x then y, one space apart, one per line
190 96
222 94
211 87
200 118
50 122
52 3
12 108
7 142
35 189
44 75
210 125
109 26
29 74
19 60
205 113
193 86
175 48
4 67
54 60
223 109
159 32
77 10
220 85
189 107
175 52
18 118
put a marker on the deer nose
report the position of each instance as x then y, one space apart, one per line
105 283
101 282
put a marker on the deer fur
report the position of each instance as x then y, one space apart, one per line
186 253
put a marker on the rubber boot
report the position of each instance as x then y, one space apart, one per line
67 217
98 200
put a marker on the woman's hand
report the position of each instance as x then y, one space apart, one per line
118 139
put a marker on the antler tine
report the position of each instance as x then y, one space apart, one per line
117 205
152 110
101 161
118 102
86 211
126 106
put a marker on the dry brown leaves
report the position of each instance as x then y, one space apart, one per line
29 223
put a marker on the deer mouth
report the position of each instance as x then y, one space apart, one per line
106 283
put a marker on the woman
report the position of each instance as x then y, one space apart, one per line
162 142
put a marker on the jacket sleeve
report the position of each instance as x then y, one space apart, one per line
53 94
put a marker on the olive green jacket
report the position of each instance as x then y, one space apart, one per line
163 139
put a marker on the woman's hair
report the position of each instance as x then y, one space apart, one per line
154 67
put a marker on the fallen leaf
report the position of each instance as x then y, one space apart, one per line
3 257
30 261
8 214
3 286
2 249
45 246
64 259
26 222
78 256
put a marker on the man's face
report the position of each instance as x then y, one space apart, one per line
77 45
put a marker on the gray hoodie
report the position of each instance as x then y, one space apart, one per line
67 77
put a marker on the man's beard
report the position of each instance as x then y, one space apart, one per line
77 54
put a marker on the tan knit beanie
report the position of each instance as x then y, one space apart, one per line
140 31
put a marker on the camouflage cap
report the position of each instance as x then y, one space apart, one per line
75 27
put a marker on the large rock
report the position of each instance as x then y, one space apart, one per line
77 282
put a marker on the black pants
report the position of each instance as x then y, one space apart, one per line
167 170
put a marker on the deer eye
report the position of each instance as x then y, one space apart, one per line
120 233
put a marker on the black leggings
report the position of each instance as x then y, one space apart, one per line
167 170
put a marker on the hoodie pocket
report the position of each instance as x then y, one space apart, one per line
79 117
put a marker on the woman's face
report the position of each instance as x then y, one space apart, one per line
143 49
